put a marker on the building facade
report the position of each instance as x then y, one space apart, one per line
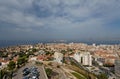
117 68
58 57
85 58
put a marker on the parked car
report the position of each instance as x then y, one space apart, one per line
25 69
25 77
31 73
25 73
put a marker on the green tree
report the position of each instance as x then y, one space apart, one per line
22 54
11 65
2 73
102 76
3 54
21 60
48 72
63 51
48 52
34 50
30 53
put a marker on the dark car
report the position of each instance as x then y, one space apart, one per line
26 77
26 73
26 69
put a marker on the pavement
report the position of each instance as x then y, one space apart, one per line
61 73
18 74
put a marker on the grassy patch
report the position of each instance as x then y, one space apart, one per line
78 76
85 74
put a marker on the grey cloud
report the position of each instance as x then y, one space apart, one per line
58 17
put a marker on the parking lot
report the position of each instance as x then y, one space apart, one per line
19 73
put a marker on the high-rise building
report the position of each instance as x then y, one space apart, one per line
85 58
117 68
58 57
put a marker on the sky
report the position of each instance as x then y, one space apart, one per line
59 19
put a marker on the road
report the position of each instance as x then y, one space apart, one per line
18 74
61 73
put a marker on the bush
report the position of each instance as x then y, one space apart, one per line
2 73
102 76
48 72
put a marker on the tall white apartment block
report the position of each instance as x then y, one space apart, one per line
58 57
85 58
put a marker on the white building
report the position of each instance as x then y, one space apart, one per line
4 65
58 57
117 68
33 59
84 58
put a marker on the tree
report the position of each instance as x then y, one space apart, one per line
63 51
34 50
48 72
22 54
22 60
102 76
11 65
3 54
2 73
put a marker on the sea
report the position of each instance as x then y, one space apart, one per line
7 43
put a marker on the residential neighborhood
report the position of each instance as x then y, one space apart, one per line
93 59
